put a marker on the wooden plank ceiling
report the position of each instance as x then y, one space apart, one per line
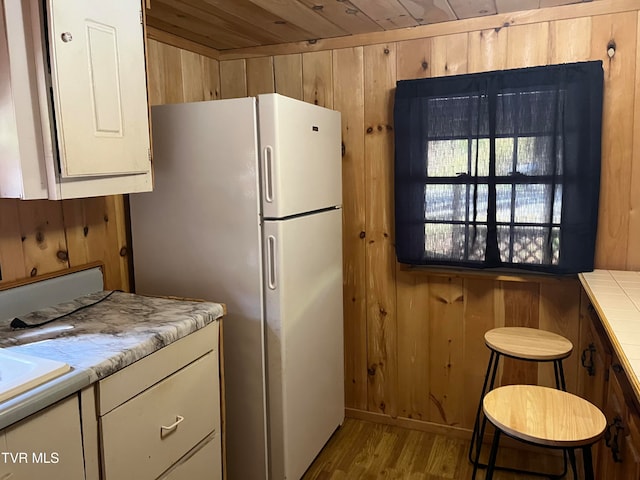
230 24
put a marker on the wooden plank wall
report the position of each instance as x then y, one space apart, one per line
42 236
414 347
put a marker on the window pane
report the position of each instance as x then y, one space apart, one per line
481 203
444 241
447 158
527 113
535 156
504 156
503 203
483 156
445 202
528 245
557 205
538 111
457 116
455 242
533 203
506 113
450 202
477 243
555 245
452 114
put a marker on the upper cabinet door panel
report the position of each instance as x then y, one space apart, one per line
99 85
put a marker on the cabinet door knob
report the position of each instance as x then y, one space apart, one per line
164 430
66 37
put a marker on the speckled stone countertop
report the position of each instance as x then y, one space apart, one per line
615 295
98 340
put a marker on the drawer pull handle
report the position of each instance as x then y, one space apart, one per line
173 426
587 361
611 440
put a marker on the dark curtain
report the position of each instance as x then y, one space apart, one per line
527 194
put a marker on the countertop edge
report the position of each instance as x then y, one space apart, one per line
20 407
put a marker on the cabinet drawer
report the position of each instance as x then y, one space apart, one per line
125 384
134 443
204 464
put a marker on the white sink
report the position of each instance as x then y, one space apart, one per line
19 372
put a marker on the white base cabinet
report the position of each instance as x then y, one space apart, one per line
47 444
160 417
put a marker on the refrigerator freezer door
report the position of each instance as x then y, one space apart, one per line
198 234
301 158
305 362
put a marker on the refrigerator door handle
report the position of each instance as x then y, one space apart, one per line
271 262
267 158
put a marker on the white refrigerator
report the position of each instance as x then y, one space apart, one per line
246 210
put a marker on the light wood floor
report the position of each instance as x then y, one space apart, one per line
364 450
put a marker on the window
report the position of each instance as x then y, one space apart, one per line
500 169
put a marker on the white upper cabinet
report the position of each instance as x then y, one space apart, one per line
99 82
80 66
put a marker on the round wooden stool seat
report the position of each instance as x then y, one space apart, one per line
528 343
544 416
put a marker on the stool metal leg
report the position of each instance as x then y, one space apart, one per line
480 438
475 470
492 456
562 381
558 370
492 369
572 459
588 463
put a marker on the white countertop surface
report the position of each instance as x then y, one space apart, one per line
615 294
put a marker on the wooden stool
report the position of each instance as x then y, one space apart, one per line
521 343
545 417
